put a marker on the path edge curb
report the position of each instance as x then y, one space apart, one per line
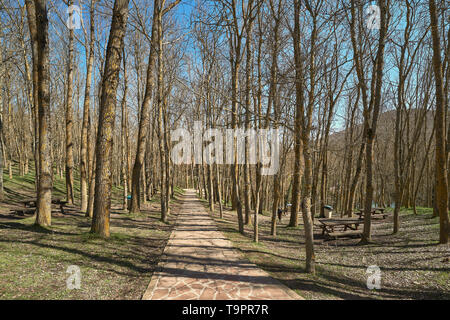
156 273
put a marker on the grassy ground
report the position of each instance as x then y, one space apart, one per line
22 187
34 261
413 265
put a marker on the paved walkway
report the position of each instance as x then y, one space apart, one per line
200 263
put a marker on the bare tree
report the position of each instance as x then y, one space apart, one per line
441 156
84 165
69 117
300 138
102 200
38 23
372 108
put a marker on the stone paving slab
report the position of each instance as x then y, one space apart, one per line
199 263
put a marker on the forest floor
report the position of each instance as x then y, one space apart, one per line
34 261
413 265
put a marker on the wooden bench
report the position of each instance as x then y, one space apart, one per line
348 233
28 202
31 203
375 213
61 204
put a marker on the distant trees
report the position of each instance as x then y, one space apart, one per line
357 109
352 168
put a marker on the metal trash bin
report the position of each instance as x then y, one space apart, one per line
327 211
129 202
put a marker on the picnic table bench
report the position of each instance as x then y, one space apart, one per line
375 212
31 203
23 211
334 228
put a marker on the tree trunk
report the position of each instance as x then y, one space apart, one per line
86 110
34 51
124 136
69 119
439 123
144 118
300 143
38 13
161 143
371 132
102 200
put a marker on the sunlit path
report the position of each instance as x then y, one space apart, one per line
200 263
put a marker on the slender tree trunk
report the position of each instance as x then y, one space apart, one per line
34 51
299 144
275 205
2 153
236 199
144 118
219 193
371 132
124 136
257 111
69 119
102 200
161 143
92 162
86 110
248 83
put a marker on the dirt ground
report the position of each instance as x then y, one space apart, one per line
34 261
412 264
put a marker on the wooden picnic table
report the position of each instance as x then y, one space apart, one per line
31 203
337 227
23 211
374 212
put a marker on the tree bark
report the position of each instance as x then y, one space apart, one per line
124 137
441 156
144 117
38 13
34 51
84 165
69 119
102 199
371 132
301 136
